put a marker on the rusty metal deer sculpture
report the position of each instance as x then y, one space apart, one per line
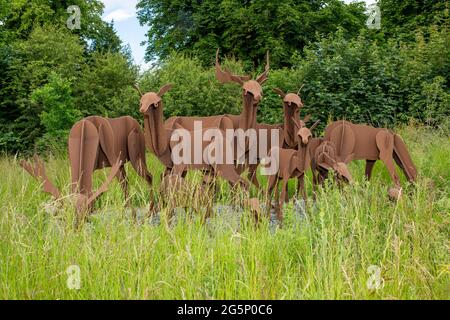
361 142
252 95
323 160
158 140
97 143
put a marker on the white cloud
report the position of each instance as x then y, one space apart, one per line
119 15
119 10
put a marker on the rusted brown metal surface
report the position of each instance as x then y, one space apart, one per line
362 142
97 143
291 164
323 160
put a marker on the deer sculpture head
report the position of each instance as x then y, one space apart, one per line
151 105
325 158
252 89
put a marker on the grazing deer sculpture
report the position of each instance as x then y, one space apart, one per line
97 143
291 164
323 160
361 142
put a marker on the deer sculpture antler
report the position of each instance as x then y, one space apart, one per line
37 170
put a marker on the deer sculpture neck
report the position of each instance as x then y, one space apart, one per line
247 118
154 125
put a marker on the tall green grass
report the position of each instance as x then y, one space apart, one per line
325 255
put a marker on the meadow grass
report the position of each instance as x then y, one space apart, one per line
326 255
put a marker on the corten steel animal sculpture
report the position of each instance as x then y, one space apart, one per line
97 143
361 142
291 164
158 140
292 105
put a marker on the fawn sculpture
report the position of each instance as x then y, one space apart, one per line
291 164
158 139
97 143
292 105
361 142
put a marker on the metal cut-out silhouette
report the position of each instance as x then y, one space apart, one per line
362 142
158 135
291 164
292 105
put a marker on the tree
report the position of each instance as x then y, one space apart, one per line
403 18
245 29
58 111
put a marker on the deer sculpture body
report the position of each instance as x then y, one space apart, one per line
97 143
158 138
361 142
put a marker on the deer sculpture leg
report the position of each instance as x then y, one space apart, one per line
301 187
385 144
283 197
369 168
252 171
83 150
136 152
272 183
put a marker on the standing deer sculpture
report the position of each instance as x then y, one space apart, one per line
361 142
158 140
252 94
290 164
97 143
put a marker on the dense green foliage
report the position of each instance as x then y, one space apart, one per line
246 29
39 56
357 79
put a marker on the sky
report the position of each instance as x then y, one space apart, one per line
123 12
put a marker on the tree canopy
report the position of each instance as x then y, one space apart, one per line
245 29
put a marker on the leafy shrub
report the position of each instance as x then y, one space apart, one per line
58 111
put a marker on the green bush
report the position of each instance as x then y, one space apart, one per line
58 112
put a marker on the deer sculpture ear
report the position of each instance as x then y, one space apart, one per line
279 92
165 89
314 125
136 87
307 118
264 76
